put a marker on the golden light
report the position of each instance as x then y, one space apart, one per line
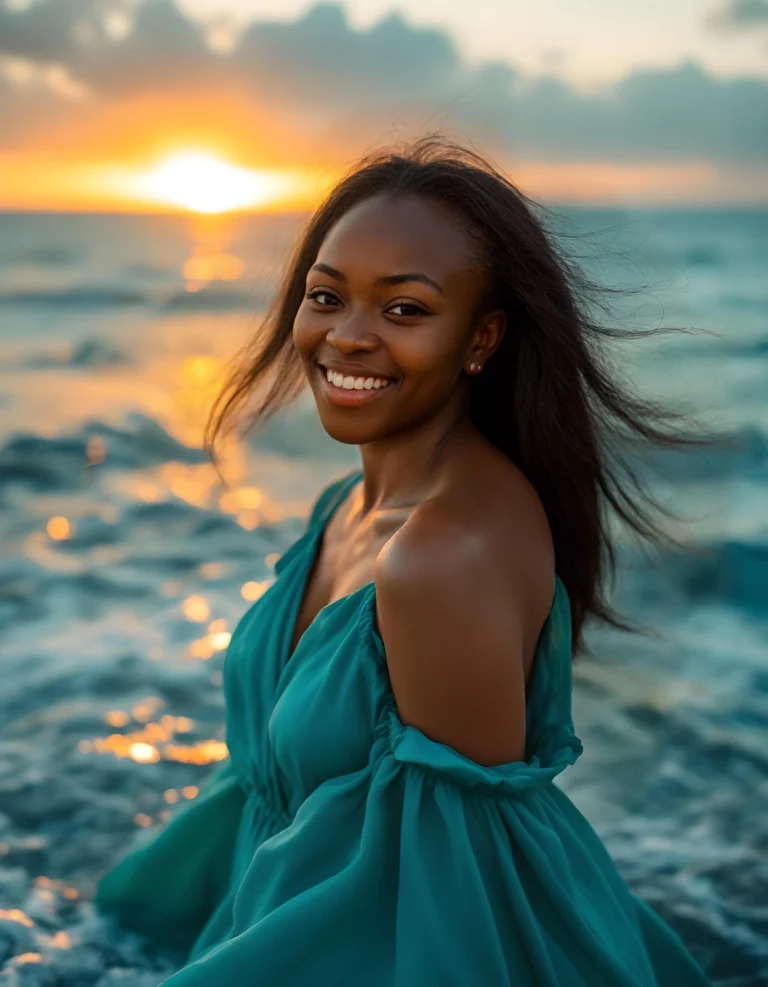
16 915
211 570
253 590
59 528
240 498
196 608
201 648
205 647
147 491
200 369
204 752
213 267
155 742
204 183
145 709
143 753
24 958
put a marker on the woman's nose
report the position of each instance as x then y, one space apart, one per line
353 329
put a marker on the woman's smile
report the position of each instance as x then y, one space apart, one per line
346 391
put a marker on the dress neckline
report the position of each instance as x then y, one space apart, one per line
314 535
314 542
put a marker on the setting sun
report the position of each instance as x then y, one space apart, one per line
205 183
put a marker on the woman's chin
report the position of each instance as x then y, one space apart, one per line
346 428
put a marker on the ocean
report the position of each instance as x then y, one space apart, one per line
125 566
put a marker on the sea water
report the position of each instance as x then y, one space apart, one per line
125 565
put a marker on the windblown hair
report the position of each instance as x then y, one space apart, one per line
549 397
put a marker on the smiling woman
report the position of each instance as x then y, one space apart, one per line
399 702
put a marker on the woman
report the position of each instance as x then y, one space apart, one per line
399 701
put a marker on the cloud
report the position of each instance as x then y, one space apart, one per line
342 87
162 47
320 54
740 14
53 30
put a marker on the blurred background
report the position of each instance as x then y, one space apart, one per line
157 162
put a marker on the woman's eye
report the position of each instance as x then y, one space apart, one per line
320 292
314 295
417 309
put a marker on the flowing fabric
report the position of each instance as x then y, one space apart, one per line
338 846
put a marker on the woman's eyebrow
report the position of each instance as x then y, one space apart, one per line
384 279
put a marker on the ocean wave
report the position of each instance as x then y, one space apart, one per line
43 256
151 272
727 348
85 353
85 296
744 302
61 462
742 453
216 299
97 296
727 572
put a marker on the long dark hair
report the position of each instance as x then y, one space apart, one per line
549 397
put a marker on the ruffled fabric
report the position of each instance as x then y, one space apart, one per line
402 862
169 883
427 869
551 742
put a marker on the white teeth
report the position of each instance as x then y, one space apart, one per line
355 383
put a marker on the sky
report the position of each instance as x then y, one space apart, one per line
259 104
589 42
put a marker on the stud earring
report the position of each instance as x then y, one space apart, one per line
475 368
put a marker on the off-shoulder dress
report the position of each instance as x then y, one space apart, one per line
337 846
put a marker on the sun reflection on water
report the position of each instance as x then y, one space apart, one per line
254 589
24 958
196 608
59 528
16 915
154 741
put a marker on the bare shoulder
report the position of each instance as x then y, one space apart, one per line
463 590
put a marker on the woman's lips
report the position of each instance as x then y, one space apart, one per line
349 398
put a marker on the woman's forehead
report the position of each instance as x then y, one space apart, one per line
407 233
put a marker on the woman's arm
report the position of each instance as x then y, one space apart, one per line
459 612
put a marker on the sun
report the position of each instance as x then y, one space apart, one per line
204 183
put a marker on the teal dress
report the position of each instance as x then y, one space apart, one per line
338 846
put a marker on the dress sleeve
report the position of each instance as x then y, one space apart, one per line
426 869
168 883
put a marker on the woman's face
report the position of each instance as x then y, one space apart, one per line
391 296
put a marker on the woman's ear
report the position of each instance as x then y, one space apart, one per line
488 335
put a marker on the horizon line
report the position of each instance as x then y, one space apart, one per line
715 206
